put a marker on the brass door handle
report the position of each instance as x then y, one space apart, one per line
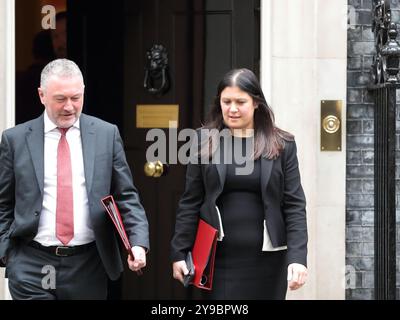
155 169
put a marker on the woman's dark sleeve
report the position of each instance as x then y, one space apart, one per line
294 207
187 215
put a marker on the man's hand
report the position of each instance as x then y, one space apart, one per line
297 275
140 258
179 269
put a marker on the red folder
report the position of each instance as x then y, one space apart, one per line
203 254
113 212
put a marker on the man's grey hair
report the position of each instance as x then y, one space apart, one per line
63 68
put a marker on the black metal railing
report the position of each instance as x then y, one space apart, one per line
385 72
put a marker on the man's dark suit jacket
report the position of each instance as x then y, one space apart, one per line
282 195
106 172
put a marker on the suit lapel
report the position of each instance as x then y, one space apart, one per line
35 142
266 167
221 165
221 168
88 148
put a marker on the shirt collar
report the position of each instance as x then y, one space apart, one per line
50 125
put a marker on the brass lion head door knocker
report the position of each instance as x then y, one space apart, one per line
156 79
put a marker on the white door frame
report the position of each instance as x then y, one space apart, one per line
7 86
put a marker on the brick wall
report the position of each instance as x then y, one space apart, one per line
360 152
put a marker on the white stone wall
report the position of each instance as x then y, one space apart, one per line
7 72
303 61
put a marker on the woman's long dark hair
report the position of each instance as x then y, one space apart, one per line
269 140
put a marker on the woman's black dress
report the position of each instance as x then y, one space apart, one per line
242 269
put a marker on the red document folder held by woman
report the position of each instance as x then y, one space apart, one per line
112 210
203 254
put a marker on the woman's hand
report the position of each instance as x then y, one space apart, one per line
297 275
179 269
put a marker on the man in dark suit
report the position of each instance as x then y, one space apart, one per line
56 240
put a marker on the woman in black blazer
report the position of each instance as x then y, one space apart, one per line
257 205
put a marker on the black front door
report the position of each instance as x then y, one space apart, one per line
203 39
